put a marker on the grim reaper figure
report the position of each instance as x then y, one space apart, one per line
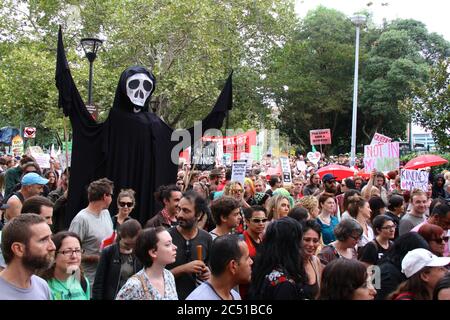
132 147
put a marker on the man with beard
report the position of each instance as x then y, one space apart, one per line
193 245
27 247
330 188
169 196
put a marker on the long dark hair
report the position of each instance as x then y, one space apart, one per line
415 285
340 279
281 248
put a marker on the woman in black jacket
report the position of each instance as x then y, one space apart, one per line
390 264
117 262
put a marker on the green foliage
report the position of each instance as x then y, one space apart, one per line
430 104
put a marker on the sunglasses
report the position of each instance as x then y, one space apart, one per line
256 220
125 204
440 240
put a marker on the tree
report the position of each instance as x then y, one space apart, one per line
430 104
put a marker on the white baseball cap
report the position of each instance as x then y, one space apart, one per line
417 259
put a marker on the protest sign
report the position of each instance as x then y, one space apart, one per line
286 169
380 139
238 171
320 136
204 155
249 158
382 157
17 145
412 179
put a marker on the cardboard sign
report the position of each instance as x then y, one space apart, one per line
378 138
314 157
29 132
383 157
412 179
238 171
17 145
286 169
320 136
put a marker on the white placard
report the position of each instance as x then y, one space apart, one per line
238 171
42 159
286 169
412 179
249 158
301 165
378 138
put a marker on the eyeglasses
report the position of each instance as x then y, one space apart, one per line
356 238
256 220
236 191
389 227
126 204
440 240
70 252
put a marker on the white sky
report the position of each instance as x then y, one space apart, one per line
433 13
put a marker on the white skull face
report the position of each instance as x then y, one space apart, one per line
139 87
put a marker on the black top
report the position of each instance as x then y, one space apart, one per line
372 252
187 252
391 277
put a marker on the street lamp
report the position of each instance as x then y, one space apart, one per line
358 20
90 47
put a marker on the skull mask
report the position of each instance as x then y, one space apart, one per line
139 87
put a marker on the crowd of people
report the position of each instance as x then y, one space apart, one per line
314 238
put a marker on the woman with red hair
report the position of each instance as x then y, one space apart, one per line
435 237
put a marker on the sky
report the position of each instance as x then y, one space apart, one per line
433 13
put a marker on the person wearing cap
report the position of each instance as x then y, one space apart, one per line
330 189
32 185
423 270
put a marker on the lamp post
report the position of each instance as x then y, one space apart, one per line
358 20
90 47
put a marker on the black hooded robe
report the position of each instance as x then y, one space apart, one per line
131 149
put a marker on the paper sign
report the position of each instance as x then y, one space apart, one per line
249 158
380 139
383 157
42 159
320 136
238 171
17 145
412 179
286 169
314 157
301 165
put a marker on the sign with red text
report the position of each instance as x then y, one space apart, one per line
320 136
382 157
378 138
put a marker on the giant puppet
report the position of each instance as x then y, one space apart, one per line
132 147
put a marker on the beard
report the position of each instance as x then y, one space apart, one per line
187 224
34 263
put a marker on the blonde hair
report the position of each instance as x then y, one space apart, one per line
274 205
309 203
229 187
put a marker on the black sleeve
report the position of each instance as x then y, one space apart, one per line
285 291
369 253
99 282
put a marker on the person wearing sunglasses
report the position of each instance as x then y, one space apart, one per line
435 236
65 277
125 204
